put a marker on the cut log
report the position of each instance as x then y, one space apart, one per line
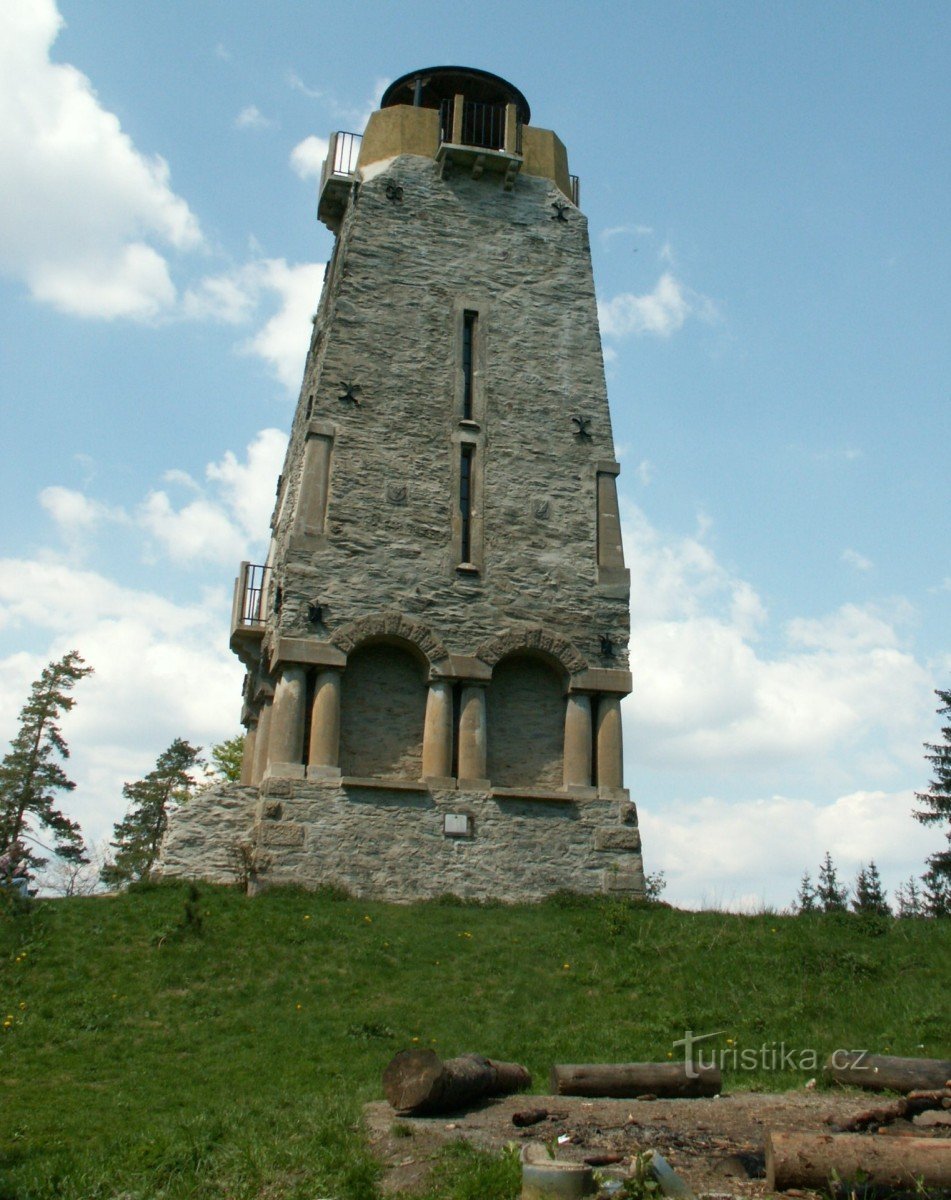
419 1081
811 1160
886 1072
627 1080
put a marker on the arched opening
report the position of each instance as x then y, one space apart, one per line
526 723
383 707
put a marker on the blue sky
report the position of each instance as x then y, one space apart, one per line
767 190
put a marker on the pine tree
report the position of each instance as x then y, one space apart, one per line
908 899
137 838
31 773
830 895
228 756
937 801
868 893
806 900
937 884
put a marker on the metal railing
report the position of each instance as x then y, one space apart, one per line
251 599
482 125
343 152
575 183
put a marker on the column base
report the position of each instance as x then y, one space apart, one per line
316 772
281 770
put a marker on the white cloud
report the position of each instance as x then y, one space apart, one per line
284 339
222 524
852 558
743 854
161 671
614 231
661 312
80 206
644 472
307 157
836 697
238 296
75 514
251 117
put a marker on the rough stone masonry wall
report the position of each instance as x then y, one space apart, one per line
404 269
388 842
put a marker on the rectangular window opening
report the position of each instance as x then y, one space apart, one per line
469 321
465 502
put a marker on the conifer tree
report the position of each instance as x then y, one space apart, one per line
868 893
831 896
937 802
137 838
806 900
908 899
31 772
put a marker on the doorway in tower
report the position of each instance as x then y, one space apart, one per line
526 723
382 711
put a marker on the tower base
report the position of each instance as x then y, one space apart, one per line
400 840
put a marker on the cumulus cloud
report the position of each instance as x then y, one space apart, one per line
238 296
307 157
852 558
251 117
708 695
749 853
661 312
162 670
219 523
81 206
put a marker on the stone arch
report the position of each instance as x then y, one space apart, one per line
536 639
526 721
382 709
390 626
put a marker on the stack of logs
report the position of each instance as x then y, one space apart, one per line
418 1082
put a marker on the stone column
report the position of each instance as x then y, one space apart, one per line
437 731
247 756
472 745
610 745
261 742
324 754
578 740
286 743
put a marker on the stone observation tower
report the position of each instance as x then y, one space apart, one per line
436 647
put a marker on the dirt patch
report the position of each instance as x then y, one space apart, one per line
716 1145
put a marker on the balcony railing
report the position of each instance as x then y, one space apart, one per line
337 176
250 597
481 125
575 184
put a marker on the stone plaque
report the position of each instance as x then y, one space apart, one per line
456 825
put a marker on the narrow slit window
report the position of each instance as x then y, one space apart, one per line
469 320
465 502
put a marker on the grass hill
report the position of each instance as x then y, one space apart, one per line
158 1045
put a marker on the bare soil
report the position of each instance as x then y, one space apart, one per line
716 1145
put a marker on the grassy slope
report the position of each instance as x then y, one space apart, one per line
233 1062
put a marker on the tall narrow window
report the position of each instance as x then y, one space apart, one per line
465 502
469 320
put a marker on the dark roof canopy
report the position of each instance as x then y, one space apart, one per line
442 83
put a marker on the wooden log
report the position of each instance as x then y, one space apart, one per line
419 1081
811 1160
886 1072
627 1080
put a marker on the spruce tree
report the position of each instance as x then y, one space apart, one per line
137 838
806 900
830 895
937 802
31 772
908 899
868 893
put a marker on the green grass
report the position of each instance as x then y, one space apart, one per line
146 1058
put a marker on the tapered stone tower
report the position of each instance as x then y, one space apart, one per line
436 647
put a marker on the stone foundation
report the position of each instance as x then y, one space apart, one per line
396 840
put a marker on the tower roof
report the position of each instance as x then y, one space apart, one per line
436 84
